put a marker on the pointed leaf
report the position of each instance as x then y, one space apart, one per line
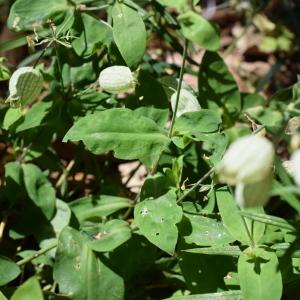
157 221
232 219
97 206
129 33
29 290
39 189
121 131
81 273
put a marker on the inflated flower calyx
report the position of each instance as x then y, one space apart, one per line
25 85
295 161
248 164
187 102
247 160
253 194
116 79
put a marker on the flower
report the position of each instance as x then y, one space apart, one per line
248 164
247 160
295 161
116 79
187 102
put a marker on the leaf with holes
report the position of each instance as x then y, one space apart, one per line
78 270
157 221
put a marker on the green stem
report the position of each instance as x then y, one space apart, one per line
36 254
248 232
206 175
92 8
179 86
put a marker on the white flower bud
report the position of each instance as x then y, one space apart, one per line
248 160
254 194
116 79
187 102
25 85
295 160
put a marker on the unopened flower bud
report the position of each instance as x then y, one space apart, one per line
248 160
25 85
254 194
116 79
295 159
295 141
187 102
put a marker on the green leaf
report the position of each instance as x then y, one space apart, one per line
129 33
197 123
97 206
227 295
272 119
93 34
159 116
78 271
39 189
121 131
11 117
267 219
106 237
155 186
2 297
35 116
200 31
29 290
216 250
62 216
133 258
205 273
157 221
217 87
259 275
30 14
203 231
232 219
9 270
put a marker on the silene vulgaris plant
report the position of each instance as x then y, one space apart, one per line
123 178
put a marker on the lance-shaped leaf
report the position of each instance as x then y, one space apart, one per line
157 221
39 189
129 33
122 131
30 289
97 206
79 272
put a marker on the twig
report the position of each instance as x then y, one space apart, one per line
211 171
179 86
65 173
36 254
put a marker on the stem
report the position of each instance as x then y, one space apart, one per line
36 254
59 67
179 86
65 173
206 175
94 7
258 129
248 232
2 226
